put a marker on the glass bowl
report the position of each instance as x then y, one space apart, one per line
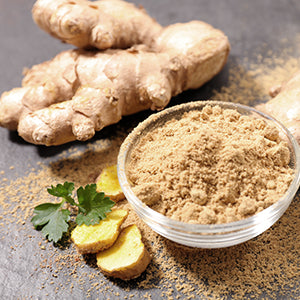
198 235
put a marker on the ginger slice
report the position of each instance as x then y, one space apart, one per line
127 258
92 239
108 183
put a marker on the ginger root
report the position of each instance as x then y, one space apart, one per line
94 238
102 24
285 105
127 258
80 92
108 183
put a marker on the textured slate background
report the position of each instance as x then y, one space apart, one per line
248 24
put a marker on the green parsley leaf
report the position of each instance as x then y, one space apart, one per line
93 206
53 219
64 191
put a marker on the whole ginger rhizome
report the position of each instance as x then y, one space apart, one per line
211 166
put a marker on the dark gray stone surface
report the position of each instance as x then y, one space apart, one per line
248 24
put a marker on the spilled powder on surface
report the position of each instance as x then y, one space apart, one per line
250 83
266 267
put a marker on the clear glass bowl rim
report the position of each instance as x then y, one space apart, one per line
146 212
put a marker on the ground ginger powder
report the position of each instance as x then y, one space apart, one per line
211 166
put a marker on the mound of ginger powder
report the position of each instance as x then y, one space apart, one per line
211 166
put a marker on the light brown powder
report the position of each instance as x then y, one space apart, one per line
211 166
249 83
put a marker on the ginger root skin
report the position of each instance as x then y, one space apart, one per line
285 106
102 24
79 92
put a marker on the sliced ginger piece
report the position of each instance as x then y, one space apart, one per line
108 183
94 238
127 258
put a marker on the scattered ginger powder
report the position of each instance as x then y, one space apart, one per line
211 166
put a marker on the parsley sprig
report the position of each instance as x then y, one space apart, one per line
53 217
